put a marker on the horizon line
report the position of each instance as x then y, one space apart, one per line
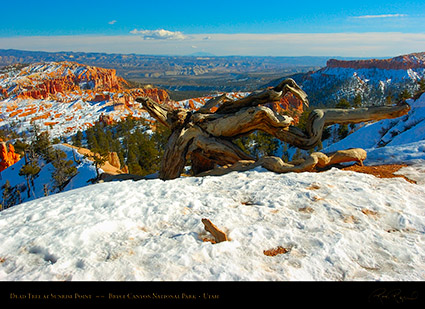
194 54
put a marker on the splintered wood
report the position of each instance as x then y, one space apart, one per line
219 235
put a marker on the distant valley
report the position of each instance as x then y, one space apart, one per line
325 79
202 73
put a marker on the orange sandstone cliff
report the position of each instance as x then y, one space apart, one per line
56 80
8 157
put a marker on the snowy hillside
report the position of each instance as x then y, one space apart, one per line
374 80
400 140
85 168
336 225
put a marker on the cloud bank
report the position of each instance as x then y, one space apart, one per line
160 34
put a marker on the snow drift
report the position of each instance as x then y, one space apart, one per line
335 225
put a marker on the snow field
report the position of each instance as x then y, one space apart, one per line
337 225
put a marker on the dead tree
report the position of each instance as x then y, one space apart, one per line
205 136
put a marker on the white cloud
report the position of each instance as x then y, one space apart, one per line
380 16
160 34
112 22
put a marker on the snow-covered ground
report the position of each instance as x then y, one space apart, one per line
337 225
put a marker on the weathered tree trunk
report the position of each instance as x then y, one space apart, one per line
205 136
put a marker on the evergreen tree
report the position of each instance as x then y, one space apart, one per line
285 153
30 172
6 194
91 139
77 139
265 144
42 145
20 147
421 84
405 94
297 155
302 121
160 137
99 158
343 103
342 131
64 169
148 155
357 101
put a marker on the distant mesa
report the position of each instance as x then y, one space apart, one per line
404 62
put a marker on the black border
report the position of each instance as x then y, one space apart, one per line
212 293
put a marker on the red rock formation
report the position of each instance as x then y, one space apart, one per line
68 77
101 97
289 105
8 157
158 95
410 61
62 81
106 119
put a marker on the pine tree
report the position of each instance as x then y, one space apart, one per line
30 172
297 155
421 84
6 194
342 131
357 101
77 139
99 158
265 144
91 139
42 145
64 170
405 94
343 103
303 119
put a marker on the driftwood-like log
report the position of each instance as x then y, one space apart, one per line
317 160
205 136
219 235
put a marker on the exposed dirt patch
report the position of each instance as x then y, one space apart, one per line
276 251
381 171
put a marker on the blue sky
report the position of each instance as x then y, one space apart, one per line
275 28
